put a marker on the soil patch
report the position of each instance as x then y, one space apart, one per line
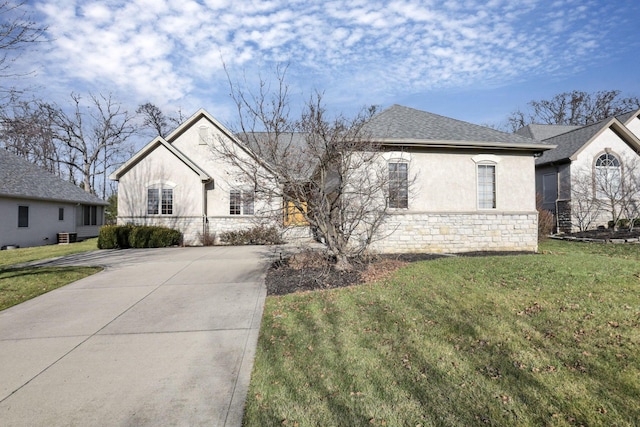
309 270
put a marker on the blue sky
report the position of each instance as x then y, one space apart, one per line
473 60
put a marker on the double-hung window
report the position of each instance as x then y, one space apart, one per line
241 202
160 201
486 186
398 185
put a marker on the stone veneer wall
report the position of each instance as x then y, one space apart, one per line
458 232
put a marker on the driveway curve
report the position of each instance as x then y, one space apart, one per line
160 337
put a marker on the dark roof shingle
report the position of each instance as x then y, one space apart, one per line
398 122
22 179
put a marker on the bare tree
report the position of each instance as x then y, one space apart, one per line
157 121
92 139
17 30
585 206
325 169
573 108
26 130
611 189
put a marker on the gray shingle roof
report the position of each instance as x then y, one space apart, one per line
624 118
570 142
542 132
22 179
398 122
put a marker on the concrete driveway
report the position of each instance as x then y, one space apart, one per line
160 337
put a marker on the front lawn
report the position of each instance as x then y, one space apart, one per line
20 284
549 339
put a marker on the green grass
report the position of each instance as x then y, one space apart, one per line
18 256
550 339
20 284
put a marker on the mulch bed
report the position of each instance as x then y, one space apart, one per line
602 235
310 271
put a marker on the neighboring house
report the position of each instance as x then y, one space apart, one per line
456 187
584 157
35 205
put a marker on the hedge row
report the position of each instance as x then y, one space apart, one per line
254 236
137 236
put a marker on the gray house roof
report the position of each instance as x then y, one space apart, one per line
404 125
22 179
542 132
624 118
568 144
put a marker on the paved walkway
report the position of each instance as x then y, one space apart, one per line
160 337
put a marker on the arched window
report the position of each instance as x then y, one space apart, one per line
608 176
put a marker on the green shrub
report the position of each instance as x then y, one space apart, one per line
139 236
259 235
162 237
114 236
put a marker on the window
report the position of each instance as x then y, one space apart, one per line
608 176
89 215
160 201
549 188
203 135
241 202
486 186
398 185
23 216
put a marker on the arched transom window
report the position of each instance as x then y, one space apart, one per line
608 176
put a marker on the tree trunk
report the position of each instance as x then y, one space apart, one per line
342 263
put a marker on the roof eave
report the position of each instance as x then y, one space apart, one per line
54 199
432 143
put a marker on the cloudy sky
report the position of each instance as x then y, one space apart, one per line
469 59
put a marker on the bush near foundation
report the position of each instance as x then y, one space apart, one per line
139 236
253 236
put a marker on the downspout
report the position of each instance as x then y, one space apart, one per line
204 211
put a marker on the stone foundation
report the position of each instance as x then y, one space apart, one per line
458 232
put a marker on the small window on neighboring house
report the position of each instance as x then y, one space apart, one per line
398 185
159 201
60 214
241 202
486 186
23 216
608 177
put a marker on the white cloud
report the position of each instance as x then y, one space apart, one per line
171 51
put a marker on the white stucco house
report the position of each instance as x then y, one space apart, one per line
473 187
585 156
35 206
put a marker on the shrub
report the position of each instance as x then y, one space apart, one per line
259 235
162 237
140 236
546 220
114 236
